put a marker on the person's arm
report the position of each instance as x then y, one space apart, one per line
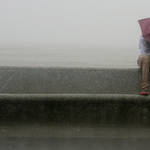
145 45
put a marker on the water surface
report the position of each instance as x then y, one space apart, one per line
69 57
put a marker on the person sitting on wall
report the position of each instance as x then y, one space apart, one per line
143 62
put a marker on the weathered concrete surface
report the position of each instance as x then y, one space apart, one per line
41 143
73 96
60 131
76 97
98 99
97 110
17 80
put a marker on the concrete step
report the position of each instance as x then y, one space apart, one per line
75 109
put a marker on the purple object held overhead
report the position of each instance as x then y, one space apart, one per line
145 28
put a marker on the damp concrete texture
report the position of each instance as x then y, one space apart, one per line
38 80
72 108
73 144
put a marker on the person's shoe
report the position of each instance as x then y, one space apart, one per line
144 93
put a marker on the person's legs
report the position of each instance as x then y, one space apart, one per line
144 63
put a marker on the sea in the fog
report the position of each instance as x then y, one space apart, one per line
70 57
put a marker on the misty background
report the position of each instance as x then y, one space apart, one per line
71 33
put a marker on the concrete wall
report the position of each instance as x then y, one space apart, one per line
97 97
23 80
84 112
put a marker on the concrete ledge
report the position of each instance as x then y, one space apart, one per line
75 109
31 80
101 97
76 97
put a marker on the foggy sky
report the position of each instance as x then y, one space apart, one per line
95 23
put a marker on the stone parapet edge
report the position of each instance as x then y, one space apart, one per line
76 97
